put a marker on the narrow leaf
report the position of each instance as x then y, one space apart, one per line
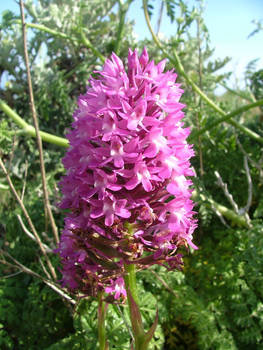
136 318
148 336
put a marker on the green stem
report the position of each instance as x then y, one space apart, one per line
84 40
29 129
101 322
89 45
227 118
123 8
130 281
227 213
135 316
47 30
246 131
238 93
177 62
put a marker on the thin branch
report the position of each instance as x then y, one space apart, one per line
11 275
250 188
30 223
24 182
55 33
30 235
159 21
226 192
227 118
237 93
245 130
44 268
25 269
200 71
242 211
123 8
29 129
89 45
220 216
35 120
224 211
125 321
164 283
43 28
177 62
254 163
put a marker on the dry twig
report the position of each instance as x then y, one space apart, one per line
24 183
29 234
25 269
35 119
250 188
164 284
226 192
30 223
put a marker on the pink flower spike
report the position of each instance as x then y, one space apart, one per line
127 189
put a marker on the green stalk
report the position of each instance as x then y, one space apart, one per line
123 8
53 32
177 62
101 322
135 315
239 220
130 281
29 129
227 118
89 45
46 29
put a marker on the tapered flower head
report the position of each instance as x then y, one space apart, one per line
127 184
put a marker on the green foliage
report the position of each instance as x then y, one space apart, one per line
256 80
85 323
215 303
5 138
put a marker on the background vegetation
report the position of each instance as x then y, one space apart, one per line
216 301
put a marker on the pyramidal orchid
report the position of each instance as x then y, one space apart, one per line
127 187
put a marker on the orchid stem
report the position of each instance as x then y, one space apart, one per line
130 281
135 316
101 322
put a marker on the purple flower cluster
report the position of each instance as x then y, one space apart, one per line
126 186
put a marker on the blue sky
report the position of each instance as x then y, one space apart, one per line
229 23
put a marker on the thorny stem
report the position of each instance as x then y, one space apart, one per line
35 120
30 223
177 62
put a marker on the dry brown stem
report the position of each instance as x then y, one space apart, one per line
38 137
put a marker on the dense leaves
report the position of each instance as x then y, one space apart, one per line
216 302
